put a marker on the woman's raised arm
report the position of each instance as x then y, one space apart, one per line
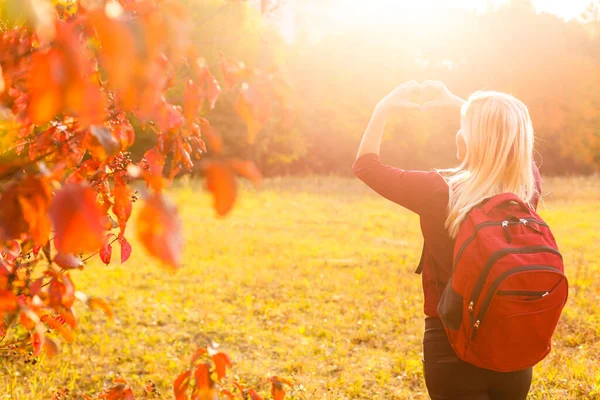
398 98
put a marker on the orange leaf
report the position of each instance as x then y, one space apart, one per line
220 181
253 395
191 101
180 386
122 206
24 208
66 314
27 323
8 301
159 230
46 81
59 327
277 389
221 361
212 137
77 219
227 393
247 169
94 303
34 196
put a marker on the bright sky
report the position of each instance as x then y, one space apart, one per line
373 12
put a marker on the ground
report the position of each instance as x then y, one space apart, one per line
308 279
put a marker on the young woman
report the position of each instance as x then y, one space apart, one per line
495 150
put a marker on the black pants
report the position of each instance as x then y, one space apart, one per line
447 377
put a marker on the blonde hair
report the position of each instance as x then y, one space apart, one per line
499 155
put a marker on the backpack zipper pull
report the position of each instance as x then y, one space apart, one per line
527 224
505 229
475 328
471 306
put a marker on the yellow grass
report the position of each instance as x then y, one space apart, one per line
309 279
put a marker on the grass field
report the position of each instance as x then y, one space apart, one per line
309 279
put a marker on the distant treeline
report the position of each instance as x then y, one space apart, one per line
337 79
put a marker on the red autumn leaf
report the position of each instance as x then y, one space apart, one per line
67 316
253 395
125 249
37 341
277 389
220 181
247 169
77 219
180 386
55 292
12 251
68 261
95 303
36 286
68 297
227 393
159 230
154 162
191 101
101 143
121 391
202 377
197 354
106 250
8 301
122 206
221 361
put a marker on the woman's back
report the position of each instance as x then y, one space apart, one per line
494 146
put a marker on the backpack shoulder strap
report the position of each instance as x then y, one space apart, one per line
420 266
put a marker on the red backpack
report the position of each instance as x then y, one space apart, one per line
507 290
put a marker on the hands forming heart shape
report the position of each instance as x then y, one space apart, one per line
428 94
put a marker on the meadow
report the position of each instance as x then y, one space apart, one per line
309 279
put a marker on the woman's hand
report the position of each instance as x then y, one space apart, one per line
400 97
439 94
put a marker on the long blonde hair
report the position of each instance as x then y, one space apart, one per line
499 139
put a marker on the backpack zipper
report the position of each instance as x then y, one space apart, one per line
486 303
523 221
522 293
494 258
